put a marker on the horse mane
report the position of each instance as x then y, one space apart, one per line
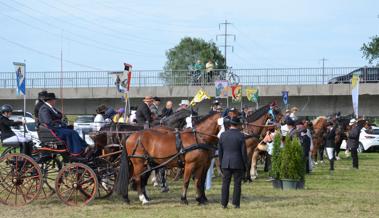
203 118
258 113
315 121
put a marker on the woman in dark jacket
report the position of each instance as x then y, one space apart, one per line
330 143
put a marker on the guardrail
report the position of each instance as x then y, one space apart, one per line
264 76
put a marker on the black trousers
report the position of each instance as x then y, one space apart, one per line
321 152
306 158
354 156
227 176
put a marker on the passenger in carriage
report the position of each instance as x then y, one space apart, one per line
10 137
143 114
119 116
51 117
40 101
167 111
154 108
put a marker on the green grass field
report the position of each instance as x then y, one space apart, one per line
348 193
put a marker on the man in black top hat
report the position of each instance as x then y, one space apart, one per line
40 101
233 160
51 117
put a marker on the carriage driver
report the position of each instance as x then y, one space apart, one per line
52 118
10 137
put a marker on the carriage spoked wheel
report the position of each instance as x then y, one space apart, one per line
76 184
174 173
20 180
106 176
49 169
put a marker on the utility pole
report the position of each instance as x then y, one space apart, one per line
323 69
225 35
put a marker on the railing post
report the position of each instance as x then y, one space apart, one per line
76 79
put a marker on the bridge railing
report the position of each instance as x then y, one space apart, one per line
141 78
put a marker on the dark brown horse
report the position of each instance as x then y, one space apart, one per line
254 131
163 147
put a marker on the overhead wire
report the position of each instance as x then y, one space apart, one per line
105 46
48 55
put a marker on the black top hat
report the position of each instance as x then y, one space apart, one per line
233 109
50 96
157 99
216 102
290 121
42 95
235 121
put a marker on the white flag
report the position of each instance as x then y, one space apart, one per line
355 93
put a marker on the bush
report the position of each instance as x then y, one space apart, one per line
292 162
275 164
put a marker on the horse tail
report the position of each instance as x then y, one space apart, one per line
123 175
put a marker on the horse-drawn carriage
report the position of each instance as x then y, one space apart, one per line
76 179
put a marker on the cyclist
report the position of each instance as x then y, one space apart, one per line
10 137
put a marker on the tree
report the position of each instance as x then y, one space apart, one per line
371 49
185 54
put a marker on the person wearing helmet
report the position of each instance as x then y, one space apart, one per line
10 137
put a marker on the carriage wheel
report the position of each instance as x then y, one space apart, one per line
106 176
20 180
76 184
49 171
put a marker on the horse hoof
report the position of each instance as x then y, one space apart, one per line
126 200
184 201
145 202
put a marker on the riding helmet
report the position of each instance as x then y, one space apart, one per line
6 108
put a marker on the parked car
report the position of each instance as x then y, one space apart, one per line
83 125
31 129
21 113
367 140
367 75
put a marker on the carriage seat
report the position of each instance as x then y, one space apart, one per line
49 139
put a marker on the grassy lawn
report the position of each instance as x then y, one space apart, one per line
348 193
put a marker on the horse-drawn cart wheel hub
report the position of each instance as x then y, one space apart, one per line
75 185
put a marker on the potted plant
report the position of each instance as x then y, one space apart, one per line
276 161
292 167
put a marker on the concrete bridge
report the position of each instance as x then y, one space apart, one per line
312 100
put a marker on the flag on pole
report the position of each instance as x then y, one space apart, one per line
221 88
20 77
252 94
199 97
355 93
236 92
285 97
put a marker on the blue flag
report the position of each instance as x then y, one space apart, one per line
285 97
20 78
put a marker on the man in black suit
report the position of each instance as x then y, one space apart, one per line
51 117
233 159
143 114
40 101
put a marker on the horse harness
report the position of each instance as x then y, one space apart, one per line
181 150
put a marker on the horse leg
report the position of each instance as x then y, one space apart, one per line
205 171
218 166
144 181
253 168
186 180
138 169
200 184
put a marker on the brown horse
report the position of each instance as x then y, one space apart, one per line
164 147
254 130
318 137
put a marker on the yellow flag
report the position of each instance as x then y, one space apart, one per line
199 97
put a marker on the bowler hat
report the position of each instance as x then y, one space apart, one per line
42 95
290 121
157 99
50 96
235 121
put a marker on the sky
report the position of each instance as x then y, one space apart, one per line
103 34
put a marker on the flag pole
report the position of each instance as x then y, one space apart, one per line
241 97
25 98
